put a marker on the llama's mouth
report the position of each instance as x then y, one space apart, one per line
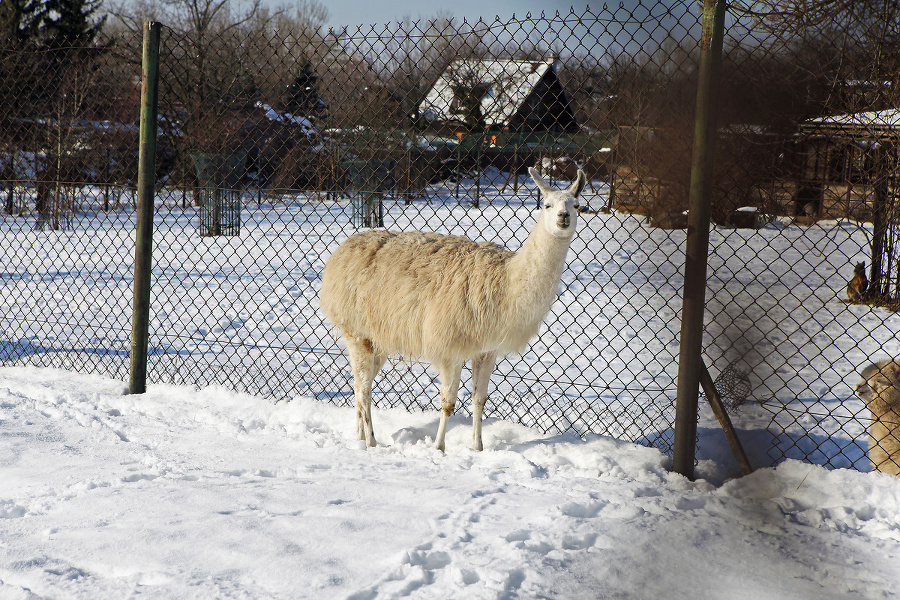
564 221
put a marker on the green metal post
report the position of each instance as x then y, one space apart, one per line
697 244
140 322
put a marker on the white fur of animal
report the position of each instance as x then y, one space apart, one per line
880 390
445 299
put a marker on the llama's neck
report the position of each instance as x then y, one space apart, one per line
886 413
534 274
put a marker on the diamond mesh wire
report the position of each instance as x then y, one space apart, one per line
278 139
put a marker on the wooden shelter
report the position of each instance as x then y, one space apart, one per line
846 165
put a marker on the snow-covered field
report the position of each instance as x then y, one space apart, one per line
206 488
208 493
242 312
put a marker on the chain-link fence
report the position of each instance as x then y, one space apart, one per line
277 139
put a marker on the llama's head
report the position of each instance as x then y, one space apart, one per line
559 208
878 379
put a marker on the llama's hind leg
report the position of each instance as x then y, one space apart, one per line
482 367
449 374
365 363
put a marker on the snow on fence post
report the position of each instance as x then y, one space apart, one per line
697 244
143 246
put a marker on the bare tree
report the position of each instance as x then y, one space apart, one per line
64 165
419 53
217 61
470 82
856 41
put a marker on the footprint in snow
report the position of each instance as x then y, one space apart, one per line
582 511
11 510
574 542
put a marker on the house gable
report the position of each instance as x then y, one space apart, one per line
506 93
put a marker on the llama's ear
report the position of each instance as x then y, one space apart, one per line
870 370
889 369
579 184
539 181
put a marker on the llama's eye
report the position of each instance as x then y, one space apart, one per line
576 206
880 382
547 205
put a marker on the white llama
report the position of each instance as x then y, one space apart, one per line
880 390
445 299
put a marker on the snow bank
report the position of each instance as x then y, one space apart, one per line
207 493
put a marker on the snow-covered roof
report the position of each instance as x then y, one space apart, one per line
875 119
286 118
506 83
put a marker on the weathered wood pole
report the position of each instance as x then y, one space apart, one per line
718 408
697 244
140 321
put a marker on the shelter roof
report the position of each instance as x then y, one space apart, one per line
868 124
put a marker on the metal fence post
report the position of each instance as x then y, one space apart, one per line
140 322
697 244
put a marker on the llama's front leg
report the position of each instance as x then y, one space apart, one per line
368 433
365 364
482 367
449 375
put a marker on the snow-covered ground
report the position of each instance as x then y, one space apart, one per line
242 312
205 487
207 493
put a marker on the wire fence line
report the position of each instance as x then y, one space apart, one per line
277 139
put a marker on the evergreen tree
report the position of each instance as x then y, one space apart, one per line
19 20
20 73
70 22
300 98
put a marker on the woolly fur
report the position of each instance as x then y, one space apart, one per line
880 390
447 299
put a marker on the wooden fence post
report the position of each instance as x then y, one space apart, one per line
140 321
697 244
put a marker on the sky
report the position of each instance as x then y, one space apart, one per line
620 25
616 26
354 12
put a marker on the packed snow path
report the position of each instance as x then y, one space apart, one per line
185 493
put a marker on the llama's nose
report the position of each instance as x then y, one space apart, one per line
563 219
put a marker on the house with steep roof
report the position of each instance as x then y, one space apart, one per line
499 94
